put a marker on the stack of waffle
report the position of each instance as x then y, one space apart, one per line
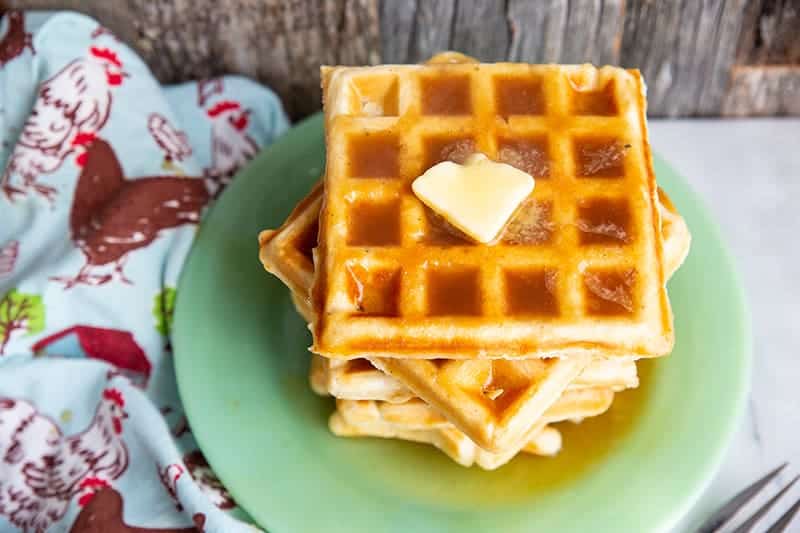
423 334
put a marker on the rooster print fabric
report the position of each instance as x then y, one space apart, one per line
106 176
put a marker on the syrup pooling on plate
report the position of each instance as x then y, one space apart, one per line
609 292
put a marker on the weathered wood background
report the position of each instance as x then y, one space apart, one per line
699 57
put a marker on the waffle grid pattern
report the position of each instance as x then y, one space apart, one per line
498 390
390 276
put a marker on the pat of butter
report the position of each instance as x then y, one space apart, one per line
477 197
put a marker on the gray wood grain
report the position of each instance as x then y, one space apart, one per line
770 33
764 91
723 51
469 33
433 22
537 30
696 56
397 26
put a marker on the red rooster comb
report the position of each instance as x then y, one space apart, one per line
115 396
82 138
107 54
221 107
93 485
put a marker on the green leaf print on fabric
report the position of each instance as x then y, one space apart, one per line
19 312
163 308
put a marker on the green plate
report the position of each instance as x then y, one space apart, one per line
242 367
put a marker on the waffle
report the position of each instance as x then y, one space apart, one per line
359 379
287 252
416 421
355 379
579 268
546 441
573 405
675 234
461 390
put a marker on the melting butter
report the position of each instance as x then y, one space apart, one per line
477 197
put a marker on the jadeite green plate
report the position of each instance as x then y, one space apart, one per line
242 362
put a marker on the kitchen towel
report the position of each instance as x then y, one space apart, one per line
106 176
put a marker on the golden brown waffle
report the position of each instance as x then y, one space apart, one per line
675 234
358 379
286 252
355 379
573 405
493 402
415 420
459 389
545 441
579 270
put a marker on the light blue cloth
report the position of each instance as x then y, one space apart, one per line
106 176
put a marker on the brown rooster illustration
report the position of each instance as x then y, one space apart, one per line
102 513
112 216
16 39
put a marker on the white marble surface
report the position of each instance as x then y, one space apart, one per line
748 172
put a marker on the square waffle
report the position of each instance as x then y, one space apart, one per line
573 405
359 379
545 440
355 379
578 269
457 388
416 421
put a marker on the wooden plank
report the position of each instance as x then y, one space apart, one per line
554 31
397 28
608 38
723 51
687 56
686 49
432 29
583 20
770 33
763 90
537 30
469 35
652 29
